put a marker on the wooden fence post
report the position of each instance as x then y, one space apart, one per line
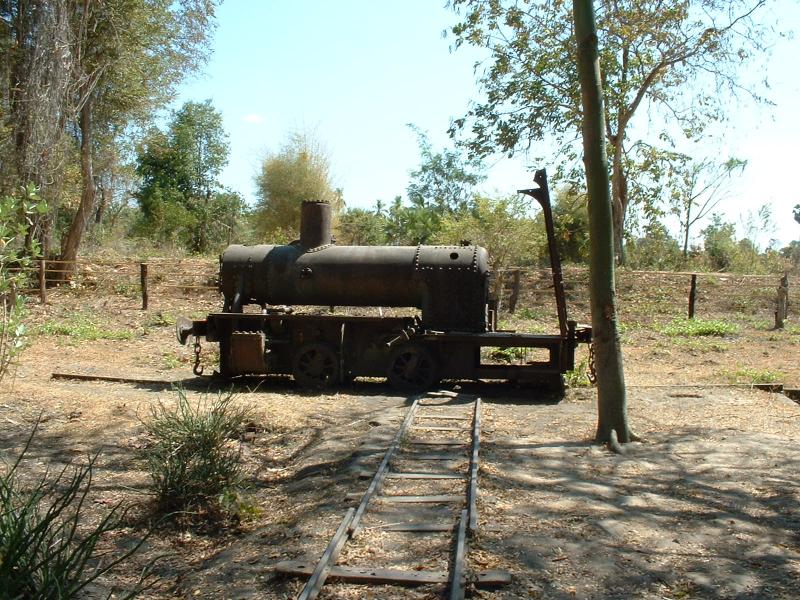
512 300
43 281
782 302
143 279
692 295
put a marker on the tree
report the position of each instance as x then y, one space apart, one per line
444 180
502 226
409 225
652 53
180 195
128 57
571 225
299 171
34 99
612 421
697 187
797 213
441 187
362 227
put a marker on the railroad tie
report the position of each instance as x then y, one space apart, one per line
454 514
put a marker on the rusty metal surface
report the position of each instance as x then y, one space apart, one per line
449 285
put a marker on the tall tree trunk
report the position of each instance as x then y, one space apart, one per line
619 200
72 242
612 419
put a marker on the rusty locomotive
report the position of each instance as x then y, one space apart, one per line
447 285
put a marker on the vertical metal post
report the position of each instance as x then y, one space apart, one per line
692 295
143 279
43 281
542 194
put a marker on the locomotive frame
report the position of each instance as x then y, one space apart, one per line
449 284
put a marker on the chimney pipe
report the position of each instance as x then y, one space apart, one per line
315 224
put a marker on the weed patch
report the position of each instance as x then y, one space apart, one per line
80 327
699 327
747 375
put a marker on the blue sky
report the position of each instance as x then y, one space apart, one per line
355 72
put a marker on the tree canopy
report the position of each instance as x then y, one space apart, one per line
677 60
80 74
180 195
299 171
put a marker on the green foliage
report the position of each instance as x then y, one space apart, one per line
47 551
651 53
409 225
723 252
82 327
571 225
578 377
299 171
657 249
194 463
750 375
444 180
501 225
16 216
440 193
180 197
699 327
361 227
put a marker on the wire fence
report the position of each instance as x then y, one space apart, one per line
658 293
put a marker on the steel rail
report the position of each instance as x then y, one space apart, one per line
472 492
458 573
377 480
327 560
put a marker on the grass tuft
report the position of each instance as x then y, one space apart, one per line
748 375
699 327
80 327
194 460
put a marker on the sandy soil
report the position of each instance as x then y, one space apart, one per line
705 507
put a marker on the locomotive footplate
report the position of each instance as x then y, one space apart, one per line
463 357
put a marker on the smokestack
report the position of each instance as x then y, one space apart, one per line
315 224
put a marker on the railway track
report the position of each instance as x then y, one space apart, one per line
437 446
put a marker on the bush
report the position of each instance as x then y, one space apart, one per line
193 462
44 552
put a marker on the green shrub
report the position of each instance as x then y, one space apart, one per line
699 327
194 461
45 551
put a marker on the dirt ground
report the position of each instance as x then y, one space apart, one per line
704 507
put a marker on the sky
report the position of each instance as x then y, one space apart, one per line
355 73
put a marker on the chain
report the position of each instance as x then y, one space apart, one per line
591 372
198 368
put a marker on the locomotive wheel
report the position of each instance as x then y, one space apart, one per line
412 368
316 366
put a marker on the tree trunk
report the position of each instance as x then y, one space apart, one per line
611 400
69 249
619 200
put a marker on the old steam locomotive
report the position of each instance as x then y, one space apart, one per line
448 285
